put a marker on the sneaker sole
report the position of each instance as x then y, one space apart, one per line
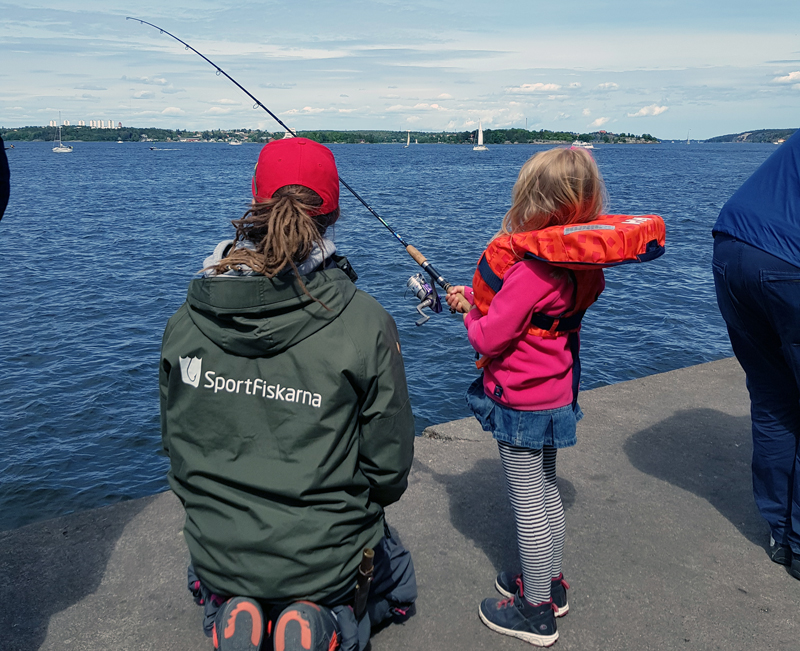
559 612
530 638
252 639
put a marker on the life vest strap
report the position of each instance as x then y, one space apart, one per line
494 281
556 324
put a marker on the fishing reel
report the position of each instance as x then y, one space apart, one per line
426 293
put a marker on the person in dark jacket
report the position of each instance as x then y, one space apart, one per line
756 267
286 418
5 179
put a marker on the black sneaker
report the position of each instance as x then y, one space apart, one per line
780 554
536 624
794 570
239 625
508 585
305 626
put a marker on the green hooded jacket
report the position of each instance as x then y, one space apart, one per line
288 427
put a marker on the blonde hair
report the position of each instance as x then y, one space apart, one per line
555 187
283 230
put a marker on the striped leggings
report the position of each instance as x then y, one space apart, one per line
539 514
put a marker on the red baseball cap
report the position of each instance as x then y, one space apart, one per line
297 161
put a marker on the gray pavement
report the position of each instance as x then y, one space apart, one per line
665 549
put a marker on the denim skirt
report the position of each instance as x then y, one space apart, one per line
524 429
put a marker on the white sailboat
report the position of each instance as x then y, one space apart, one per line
480 146
61 148
408 140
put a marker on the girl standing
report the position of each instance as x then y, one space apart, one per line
523 317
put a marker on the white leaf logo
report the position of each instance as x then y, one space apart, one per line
190 370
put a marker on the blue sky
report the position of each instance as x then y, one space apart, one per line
667 68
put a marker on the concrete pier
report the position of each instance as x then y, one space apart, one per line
665 549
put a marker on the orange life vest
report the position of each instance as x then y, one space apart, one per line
608 241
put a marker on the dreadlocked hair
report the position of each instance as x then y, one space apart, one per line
282 231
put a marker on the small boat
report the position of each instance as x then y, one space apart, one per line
408 140
480 146
582 144
61 148
235 142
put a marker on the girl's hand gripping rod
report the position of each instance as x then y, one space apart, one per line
412 251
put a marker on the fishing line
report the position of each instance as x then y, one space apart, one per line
411 250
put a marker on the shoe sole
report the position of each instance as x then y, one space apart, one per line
560 612
530 638
254 633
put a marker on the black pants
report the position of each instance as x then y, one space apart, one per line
392 593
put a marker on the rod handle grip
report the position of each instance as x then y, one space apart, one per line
414 253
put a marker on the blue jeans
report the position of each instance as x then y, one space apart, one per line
759 298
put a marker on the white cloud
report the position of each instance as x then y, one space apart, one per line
218 110
444 96
609 85
652 109
599 122
155 81
429 107
413 118
226 101
562 116
575 84
586 112
538 87
172 110
788 79
144 94
306 110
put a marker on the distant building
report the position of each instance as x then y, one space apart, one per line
81 123
102 124
53 123
119 125
66 123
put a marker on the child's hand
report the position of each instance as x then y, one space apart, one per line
457 301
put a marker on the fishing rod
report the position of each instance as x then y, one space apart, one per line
426 292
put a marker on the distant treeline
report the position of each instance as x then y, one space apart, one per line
760 135
490 136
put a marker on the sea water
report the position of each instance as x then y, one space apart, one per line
98 246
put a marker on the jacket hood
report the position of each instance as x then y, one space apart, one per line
255 316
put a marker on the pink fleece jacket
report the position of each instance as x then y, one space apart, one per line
534 373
